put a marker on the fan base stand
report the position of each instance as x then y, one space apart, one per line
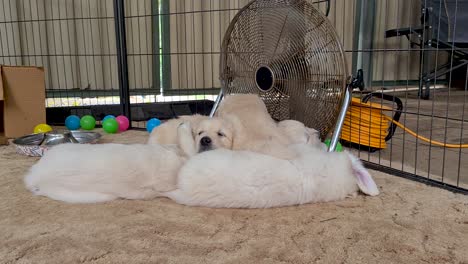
339 122
216 103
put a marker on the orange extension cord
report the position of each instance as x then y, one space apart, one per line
367 125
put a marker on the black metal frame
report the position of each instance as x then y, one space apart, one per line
134 112
428 44
413 177
139 112
121 38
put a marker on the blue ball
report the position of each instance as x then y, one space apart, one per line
72 122
107 116
152 123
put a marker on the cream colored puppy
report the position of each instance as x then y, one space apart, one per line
212 134
209 133
166 133
255 130
249 126
252 114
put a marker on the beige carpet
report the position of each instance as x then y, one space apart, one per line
408 223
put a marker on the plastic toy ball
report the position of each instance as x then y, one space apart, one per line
72 122
107 116
42 128
123 121
339 147
88 122
110 125
152 123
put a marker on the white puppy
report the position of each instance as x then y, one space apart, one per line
243 179
78 173
97 173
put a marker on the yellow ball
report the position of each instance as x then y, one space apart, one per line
42 128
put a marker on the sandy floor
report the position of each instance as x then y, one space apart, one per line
408 223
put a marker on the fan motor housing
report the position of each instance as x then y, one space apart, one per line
264 78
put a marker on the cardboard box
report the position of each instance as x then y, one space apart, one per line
22 100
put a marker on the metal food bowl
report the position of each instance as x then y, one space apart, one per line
35 145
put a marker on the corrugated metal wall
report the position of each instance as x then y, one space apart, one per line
75 40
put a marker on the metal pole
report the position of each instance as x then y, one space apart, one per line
216 103
364 39
155 35
339 122
121 40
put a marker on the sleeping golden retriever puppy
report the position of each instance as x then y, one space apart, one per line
209 133
212 134
248 125
255 130
252 118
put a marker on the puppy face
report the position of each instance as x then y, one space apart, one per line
212 134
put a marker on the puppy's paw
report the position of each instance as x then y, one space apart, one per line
35 190
184 129
352 195
184 125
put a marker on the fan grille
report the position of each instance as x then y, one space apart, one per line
288 53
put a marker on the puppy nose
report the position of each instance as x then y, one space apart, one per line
205 141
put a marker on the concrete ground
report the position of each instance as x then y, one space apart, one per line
439 119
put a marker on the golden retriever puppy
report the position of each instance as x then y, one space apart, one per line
255 130
209 133
252 114
248 126
212 134
165 134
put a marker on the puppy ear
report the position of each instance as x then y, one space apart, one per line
237 129
185 139
233 123
313 136
363 178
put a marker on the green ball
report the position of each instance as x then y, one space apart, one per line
339 147
110 125
87 122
